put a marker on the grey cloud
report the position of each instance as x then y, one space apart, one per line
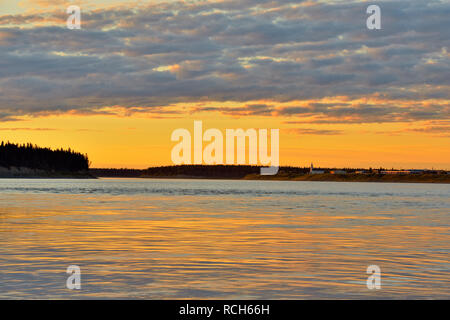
229 51
315 132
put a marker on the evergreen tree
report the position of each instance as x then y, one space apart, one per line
34 157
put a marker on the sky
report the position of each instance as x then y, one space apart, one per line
341 95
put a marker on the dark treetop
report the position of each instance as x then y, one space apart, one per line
34 157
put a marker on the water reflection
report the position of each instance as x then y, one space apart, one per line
160 239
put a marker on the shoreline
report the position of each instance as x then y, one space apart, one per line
27 173
62 177
378 178
304 178
428 179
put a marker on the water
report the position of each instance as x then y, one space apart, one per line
205 239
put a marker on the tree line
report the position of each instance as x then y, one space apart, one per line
200 171
34 157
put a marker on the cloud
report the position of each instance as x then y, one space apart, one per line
379 111
442 130
246 110
439 131
315 132
156 55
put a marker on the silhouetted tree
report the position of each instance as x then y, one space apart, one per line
34 157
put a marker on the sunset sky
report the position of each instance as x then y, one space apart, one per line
341 95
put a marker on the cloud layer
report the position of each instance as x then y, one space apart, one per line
295 55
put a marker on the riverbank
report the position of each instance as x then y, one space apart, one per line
387 178
324 178
221 172
28 173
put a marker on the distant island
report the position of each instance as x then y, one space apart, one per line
31 161
243 172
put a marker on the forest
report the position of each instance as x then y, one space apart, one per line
34 157
193 171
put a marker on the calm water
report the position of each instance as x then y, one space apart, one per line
183 239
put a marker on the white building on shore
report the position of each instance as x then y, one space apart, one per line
313 171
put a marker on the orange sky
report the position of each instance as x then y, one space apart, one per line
139 141
342 96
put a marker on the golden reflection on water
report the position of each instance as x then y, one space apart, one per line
187 247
